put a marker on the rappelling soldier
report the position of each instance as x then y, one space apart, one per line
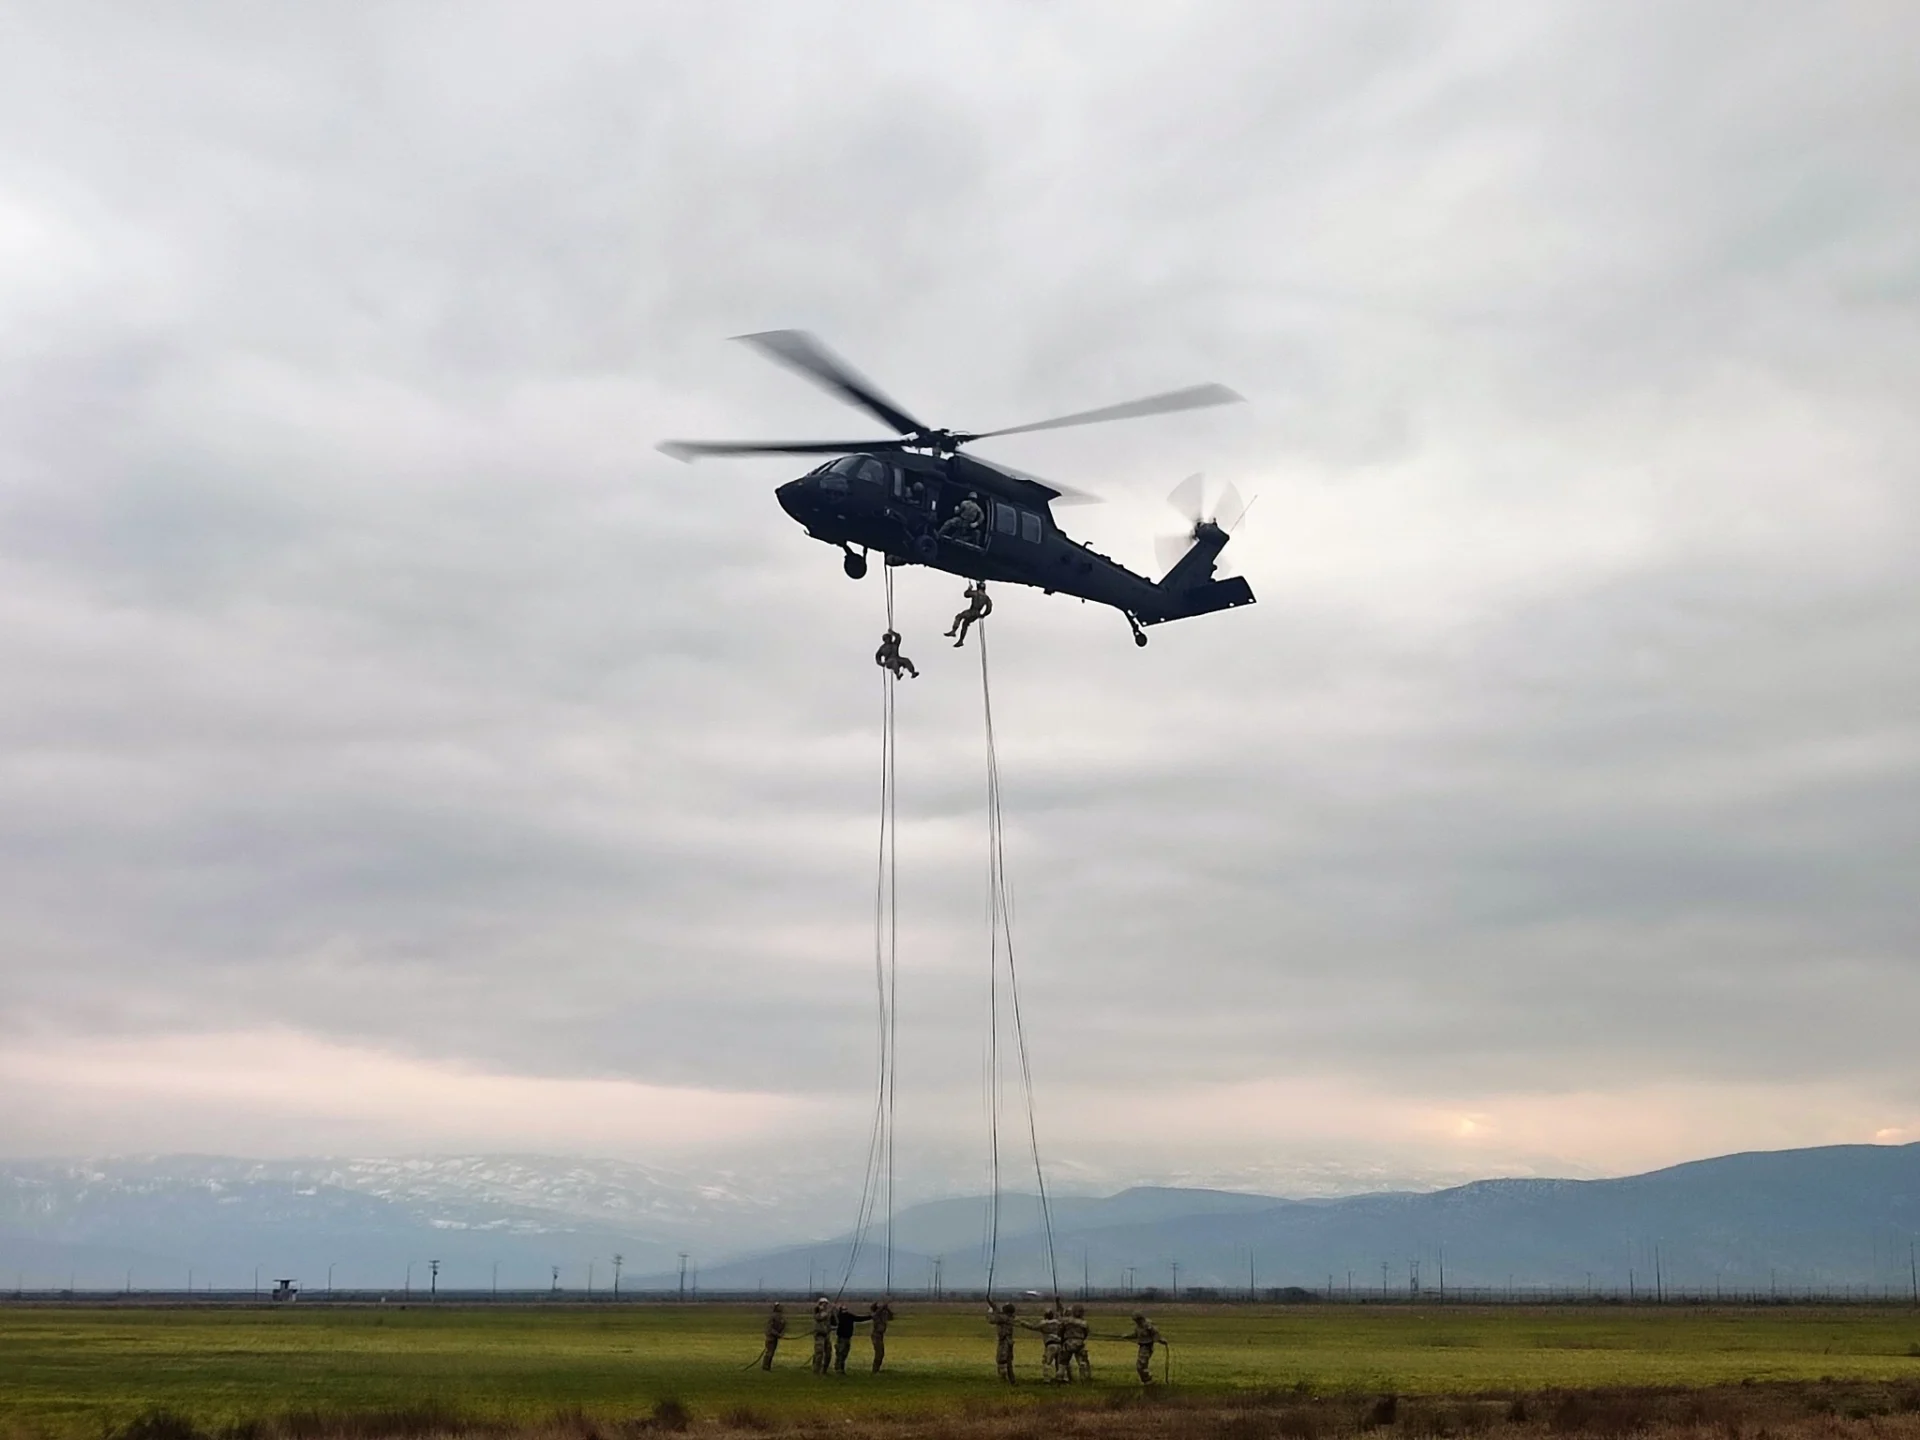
1003 1322
822 1335
881 1316
1145 1337
979 606
888 657
776 1327
1073 1344
844 1320
968 521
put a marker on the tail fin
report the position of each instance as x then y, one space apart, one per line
1189 587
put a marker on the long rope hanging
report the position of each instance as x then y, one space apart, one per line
876 1186
1000 921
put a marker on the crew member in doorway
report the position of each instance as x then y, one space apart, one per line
776 1327
967 523
979 606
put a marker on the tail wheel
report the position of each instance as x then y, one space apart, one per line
855 566
926 549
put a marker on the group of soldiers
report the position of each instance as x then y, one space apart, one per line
979 605
1063 1341
833 1326
1063 1334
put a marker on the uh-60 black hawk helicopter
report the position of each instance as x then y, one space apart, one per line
916 499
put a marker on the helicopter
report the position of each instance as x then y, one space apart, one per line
918 500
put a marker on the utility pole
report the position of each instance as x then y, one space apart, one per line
1913 1275
1659 1282
1250 1260
433 1280
1443 1274
256 1282
496 1279
1176 1279
330 1265
409 1279
1383 1279
590 1265
683 1276
618 1261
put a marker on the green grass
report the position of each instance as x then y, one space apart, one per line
70 1371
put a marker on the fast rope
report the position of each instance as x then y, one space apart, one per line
1000 944
876 1186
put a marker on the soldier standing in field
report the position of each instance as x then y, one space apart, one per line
1049 1328
881 1315
1073 1344
843 1322
1003 1322
776 1327
1146 1337
822 1335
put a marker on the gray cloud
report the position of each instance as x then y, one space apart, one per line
370 674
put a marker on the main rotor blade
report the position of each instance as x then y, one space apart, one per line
1194 397
798 350
694 449
1062 494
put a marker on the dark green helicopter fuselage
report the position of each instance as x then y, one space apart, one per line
909 507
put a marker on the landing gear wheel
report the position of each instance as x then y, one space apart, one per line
855 566
1139 635
926 549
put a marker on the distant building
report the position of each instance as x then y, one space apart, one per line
288 1290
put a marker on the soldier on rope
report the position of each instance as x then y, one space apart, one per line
1003 1322
822 1335
1146 1338
776 1327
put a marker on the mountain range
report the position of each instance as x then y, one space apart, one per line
1828 1219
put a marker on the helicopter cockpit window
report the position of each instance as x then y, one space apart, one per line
873 472
834 476
1005 520
1029 527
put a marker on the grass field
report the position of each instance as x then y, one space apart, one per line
82 1372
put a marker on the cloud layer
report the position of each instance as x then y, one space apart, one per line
375 689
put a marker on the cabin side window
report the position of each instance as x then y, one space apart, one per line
1005 520
1029 527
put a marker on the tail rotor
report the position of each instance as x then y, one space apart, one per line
1189 499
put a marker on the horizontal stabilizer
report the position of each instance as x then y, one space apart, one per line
1204 600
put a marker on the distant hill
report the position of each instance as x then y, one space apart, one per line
1830 1218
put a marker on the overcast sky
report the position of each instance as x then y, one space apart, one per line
398 753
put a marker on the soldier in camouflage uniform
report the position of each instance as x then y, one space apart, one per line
1146 1337
1073 1344
822 1335
776 1327
1003 1322
881 1315
1049 1328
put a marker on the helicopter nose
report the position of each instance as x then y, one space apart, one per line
793 498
